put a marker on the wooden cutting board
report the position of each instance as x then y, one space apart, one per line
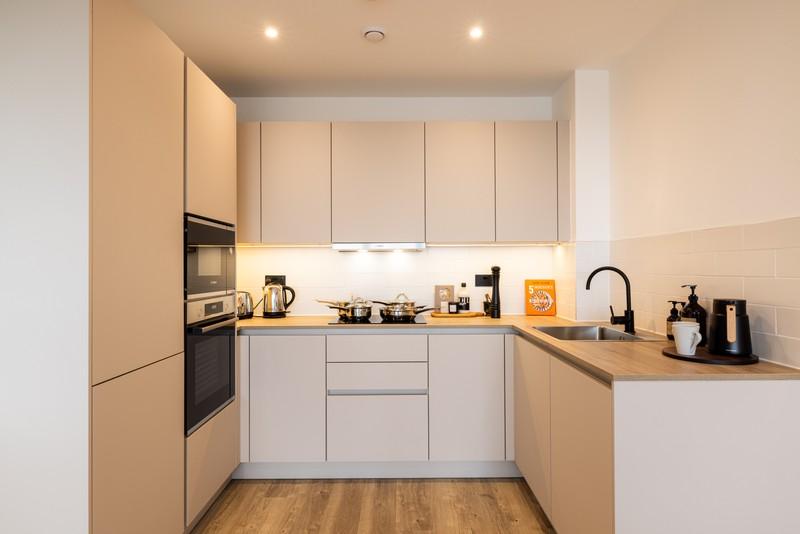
465 315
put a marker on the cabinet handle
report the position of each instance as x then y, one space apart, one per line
374 392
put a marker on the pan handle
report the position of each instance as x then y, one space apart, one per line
423 310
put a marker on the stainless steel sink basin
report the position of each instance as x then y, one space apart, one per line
587 333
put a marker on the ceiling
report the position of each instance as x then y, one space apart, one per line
529 46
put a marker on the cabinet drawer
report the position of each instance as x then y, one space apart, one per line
378 348
405 378
378 428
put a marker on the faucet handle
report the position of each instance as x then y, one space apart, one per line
612 310
616 319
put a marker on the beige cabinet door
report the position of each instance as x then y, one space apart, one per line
526 181
582 452
296 182
248 182
467 397
287 398
459 182
137 191
212 454
566 213
532 418
137 451
210 148
378 182
377 428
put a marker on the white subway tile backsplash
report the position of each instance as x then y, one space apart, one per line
745 263
324 273
758 262
784 233
788 322
762 318
717 239
787 262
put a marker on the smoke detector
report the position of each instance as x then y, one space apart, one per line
374 34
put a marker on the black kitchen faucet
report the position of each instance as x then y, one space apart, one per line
626 319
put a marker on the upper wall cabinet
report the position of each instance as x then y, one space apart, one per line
378 182
296 182
137 190
459 176
210 148
526 181
248 182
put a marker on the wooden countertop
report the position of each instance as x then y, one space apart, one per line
606 360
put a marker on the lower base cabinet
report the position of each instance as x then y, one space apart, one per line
582 441
212 454
377 428
467 397
532 418
138 451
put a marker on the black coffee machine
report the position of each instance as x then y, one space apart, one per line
729 328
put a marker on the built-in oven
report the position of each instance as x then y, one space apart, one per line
210 260
210 374
210 309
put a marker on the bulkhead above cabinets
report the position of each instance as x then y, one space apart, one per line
320 183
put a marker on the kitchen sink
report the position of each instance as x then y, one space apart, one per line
587 333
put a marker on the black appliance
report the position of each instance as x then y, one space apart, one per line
729 328
210 313
210 258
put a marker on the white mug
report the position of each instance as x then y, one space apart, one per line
687 337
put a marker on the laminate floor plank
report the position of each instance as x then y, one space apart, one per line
390 506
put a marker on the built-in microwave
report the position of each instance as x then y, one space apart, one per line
210 260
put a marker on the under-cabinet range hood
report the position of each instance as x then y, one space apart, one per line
378 247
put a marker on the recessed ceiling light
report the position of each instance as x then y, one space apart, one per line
476 32
271 32
374 34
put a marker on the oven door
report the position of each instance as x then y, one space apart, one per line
210 370
210 258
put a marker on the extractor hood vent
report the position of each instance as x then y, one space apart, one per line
378 247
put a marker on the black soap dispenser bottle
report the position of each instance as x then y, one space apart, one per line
694 312
674 316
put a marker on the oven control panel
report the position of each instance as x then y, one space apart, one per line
202 310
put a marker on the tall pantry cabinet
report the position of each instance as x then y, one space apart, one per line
137 442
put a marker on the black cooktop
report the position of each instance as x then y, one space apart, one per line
376 319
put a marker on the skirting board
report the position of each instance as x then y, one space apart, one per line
315 470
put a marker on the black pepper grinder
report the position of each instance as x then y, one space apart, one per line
694 312
494 309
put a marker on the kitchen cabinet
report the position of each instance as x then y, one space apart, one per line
526 181
287 398
137 191
377 428
378 182
248 182
459 182
212 454
295 182
138 451
378 348
581 419
532 418
467 397
565 210
210 148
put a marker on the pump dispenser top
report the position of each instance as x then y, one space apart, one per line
693 311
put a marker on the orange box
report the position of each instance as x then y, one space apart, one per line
540 297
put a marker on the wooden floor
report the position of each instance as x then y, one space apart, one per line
375 506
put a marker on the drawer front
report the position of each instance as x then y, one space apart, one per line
406 378
378 348
380 428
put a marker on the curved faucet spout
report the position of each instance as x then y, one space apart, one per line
626 319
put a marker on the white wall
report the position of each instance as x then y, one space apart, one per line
706 120
44 231
392 108
322 273
705 189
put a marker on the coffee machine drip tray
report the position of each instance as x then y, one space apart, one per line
703 356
